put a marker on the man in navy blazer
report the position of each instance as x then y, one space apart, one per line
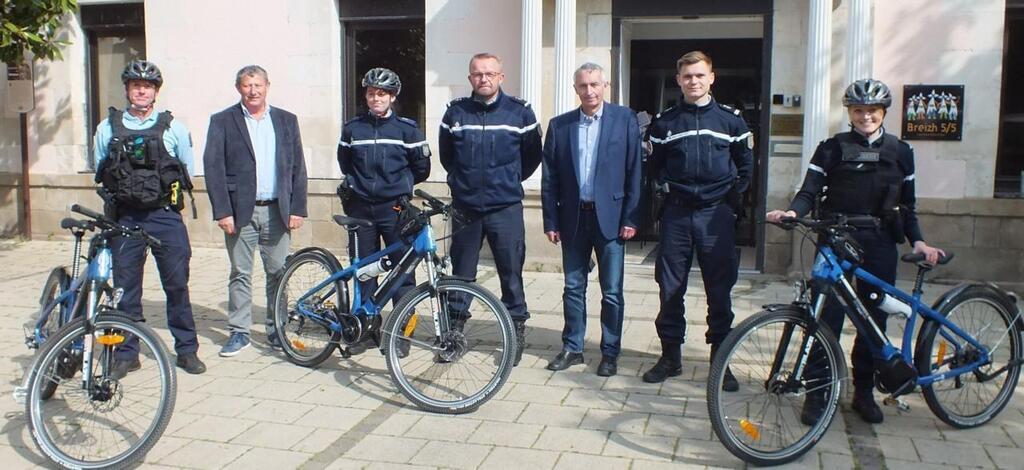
256 179
590 193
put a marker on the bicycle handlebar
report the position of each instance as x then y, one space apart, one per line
431 200
840 222
109 225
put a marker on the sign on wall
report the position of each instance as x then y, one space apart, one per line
933 112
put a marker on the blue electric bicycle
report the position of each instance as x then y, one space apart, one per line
449 343
82 414
966 359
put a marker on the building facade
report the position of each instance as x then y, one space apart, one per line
784 63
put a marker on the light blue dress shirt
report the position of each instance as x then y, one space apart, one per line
176 139
589 131
264 142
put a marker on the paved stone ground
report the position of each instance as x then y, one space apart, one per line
258 411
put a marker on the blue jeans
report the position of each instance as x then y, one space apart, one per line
576 263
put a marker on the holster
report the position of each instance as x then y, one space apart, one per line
892 213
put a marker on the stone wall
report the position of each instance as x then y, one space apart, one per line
985 235
52 195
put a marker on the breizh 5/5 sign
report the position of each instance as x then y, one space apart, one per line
933 112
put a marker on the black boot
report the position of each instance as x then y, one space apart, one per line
670 364
865 406
814 406
729 382
520 340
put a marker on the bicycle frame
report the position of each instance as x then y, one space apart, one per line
423 246
833 273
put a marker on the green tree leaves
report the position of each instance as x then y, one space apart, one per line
32 25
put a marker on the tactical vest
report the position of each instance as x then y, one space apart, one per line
867 181
139 172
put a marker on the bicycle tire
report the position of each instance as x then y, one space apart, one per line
108 400
304 341
740 418
459 380
56 283
948 399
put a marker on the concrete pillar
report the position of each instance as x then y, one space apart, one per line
532 52
565 54
858 41
817 79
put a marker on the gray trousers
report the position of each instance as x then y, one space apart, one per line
267 231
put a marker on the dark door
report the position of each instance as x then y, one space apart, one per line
394 44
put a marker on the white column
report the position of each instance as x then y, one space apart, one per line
565 54
532 63
531 52
817 80
858 41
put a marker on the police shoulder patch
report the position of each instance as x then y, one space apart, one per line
456 100
729 109
519 100
407 121
664 112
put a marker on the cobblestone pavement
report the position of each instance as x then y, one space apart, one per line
255 410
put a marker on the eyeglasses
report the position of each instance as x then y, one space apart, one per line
482 75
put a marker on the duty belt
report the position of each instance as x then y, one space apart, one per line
677 199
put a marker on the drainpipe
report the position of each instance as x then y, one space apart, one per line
26 200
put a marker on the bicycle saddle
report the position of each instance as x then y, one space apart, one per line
69 222
919 258
352 223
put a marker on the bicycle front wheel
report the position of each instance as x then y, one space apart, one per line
301 314
973 398
463 367
114 422
775 416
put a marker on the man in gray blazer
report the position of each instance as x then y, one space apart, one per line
256 179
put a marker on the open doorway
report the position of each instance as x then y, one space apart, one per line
737 47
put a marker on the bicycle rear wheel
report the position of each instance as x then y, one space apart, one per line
115 422
764 422
974 398
306 340
55 285
464 367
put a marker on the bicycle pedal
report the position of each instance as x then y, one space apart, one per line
20 394
900 405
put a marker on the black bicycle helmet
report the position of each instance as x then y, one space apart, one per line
867 91
384 79
142 70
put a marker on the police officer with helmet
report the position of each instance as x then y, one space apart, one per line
382 156
144 159
702 157
866 172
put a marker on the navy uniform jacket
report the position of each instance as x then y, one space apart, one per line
383 157
616 179
702 152
488 150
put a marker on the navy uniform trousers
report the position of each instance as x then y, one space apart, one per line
506 235
385 223
709 234
172 261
